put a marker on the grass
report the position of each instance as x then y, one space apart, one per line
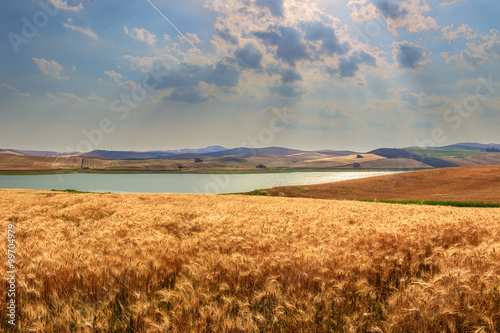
206 263
259 192
69 190
439 203
266 192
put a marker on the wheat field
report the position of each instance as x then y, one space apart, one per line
207 263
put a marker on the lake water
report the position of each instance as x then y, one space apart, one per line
176 183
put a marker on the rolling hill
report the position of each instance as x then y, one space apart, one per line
215 158
473 184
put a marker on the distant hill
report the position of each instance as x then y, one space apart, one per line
34 152
151 154
464 145
473 146
401 153
244 152
209 149
125 154
213 158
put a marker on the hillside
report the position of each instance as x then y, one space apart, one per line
206 263
474 184
217 158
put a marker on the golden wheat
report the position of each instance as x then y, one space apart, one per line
205 263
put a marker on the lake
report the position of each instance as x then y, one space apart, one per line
176 183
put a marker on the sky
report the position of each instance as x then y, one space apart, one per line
324 74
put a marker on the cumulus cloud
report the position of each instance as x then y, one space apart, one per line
288 41
141 34
317 31
63 5
398 15
86 31
290 76
117 77
350 65
463 60
225 34
478 52
50 68
191 38
451 35
274 6
391 10
249 56
190 76
410 56
222 75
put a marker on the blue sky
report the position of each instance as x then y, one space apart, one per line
356 74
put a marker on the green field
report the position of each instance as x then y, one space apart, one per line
444 152
438 203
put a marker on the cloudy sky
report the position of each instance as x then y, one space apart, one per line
325 74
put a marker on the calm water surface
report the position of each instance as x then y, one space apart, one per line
176 183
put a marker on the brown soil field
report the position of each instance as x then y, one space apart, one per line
347 159
207 263
472 184
27 162
17 162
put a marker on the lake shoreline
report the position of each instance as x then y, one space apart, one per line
208 171
176 182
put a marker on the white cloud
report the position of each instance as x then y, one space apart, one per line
66 98
87 31
50 68
464 31
479 51
408 15
117 77
146 63
192 38
452 2
120 79
141 34
63 5
17 91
